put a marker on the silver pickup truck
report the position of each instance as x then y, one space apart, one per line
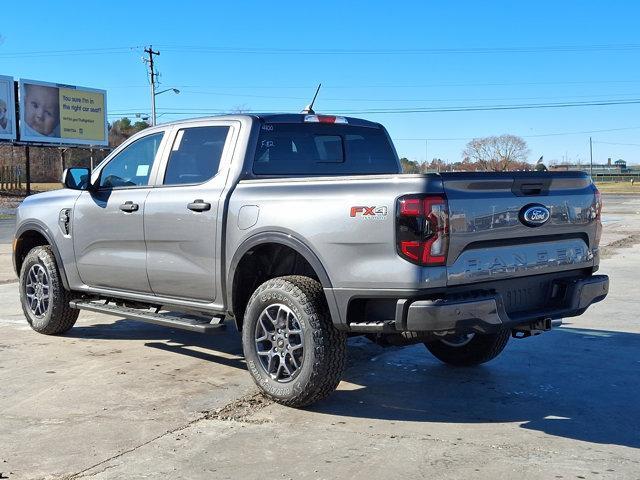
302 230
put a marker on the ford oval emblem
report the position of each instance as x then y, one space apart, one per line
534 215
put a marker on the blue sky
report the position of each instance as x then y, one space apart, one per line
368 55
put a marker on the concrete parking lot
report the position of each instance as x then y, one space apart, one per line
120 399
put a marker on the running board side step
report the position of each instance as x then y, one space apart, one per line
165 319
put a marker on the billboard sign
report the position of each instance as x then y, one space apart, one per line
7 109
56 113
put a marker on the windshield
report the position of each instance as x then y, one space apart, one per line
323 149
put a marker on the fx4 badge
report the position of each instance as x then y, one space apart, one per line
369 212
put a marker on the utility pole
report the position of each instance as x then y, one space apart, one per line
591 156
152 75
426 151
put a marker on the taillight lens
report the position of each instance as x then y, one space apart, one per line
422 231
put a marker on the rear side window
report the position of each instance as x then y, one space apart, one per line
195 155
323 149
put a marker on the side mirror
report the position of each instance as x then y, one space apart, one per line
76 178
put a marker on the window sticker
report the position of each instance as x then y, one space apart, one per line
142 171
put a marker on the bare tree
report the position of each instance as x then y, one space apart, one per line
498 154
239 109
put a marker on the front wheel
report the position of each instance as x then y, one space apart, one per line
294 353
469 349
45 302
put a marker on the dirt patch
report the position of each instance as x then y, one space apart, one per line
609 250
242 409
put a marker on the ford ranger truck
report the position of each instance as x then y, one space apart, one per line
302 230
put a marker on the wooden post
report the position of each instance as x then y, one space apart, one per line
27 166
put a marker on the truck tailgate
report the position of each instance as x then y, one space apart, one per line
490 238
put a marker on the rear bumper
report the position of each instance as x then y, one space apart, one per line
487 313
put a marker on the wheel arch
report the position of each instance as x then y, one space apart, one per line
236 300
33 234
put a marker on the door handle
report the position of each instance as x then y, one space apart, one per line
129 207
199 206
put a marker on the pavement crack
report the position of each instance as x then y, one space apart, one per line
86 472
238 410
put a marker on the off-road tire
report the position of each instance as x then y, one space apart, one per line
324 347
58 317
481 349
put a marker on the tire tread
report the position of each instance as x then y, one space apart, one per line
329 343
62 317
481 349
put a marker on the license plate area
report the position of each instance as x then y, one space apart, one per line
521 295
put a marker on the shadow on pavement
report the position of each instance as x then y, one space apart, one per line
573 383
183 342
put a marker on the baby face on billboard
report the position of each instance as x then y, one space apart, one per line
42 108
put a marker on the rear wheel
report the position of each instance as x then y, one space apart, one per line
469 349
45 302
294 353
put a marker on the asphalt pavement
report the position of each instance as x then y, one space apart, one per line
7 228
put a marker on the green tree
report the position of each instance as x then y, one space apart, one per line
409 166
122 129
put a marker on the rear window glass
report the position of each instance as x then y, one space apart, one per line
195 155
322 149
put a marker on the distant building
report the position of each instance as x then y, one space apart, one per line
619 166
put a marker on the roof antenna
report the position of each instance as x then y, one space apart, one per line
309 108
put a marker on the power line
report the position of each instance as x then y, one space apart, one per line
419 51
473 108
616 143
555 134
308 51
78 51
387 100
360 87
484 108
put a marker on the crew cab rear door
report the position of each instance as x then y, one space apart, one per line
183 213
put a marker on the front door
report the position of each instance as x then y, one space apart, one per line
182 213
108 228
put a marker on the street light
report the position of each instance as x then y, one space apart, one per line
153 104
175 90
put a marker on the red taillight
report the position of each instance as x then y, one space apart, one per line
410 207
422 229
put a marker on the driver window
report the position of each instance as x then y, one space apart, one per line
132 166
